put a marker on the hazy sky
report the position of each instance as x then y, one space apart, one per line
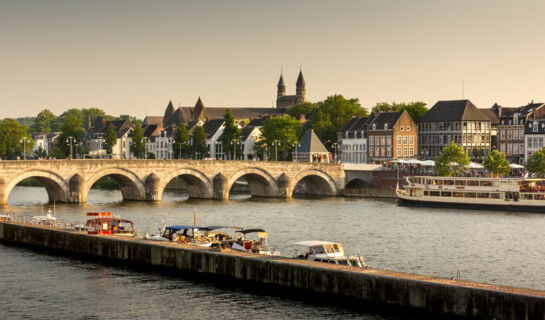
132 57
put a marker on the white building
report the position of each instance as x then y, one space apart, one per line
94 139
352 140
534 137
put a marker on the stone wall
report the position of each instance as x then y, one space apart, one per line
472 301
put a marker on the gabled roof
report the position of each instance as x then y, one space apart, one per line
356 124
246 131
454 110
152 120
384 118
491 115
169 110
311 143
212 126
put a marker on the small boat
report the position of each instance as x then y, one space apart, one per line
104 223
6 217
259 245
49 219
328 252
187 234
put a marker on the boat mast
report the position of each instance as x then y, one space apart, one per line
195 216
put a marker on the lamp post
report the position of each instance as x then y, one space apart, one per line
275 144
145 142
24 141
296 146
334 145
79 145
70 140
235 142
170 142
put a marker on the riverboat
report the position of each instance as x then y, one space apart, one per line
258 245
104 223
507 194
49 219
328 252
187 234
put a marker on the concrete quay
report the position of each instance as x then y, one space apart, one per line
431 294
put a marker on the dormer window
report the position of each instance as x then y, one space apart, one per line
385 126
374 126
535 126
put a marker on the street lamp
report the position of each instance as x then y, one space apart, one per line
70 140
275 144
100 140
80 145
334 145
145 142
170 142
24 141
296 146
235 142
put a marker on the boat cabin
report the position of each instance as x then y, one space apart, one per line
255 244
327 252
104 223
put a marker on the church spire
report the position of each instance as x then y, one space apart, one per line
199 112
281 87
300 93
168 112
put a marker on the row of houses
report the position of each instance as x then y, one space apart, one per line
517 132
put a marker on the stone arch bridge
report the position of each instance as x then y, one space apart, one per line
71 180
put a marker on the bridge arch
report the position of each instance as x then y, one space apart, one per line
314 182
129 183
198 185
356 183
260 182
56 187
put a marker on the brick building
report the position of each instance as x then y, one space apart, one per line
391 135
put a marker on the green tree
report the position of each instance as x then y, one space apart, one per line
536 163
199 147
181 147
11 134
58 123
91 114
444 163
72 127
137 142
477 155
302 108
332 113
415 109
40 153
496 163
110 138
42 122
282 130
230 138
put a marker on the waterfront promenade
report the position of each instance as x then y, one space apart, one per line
431 294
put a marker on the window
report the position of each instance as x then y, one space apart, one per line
521 134
371 141
502 134
376 140
383 140
458 194
411 140
509 134
383 151
405 140
389 140
398 152
483 195
411 152
509 148
402 129
446 194
515 134
398 140
502 148
389 151
404 152
408 128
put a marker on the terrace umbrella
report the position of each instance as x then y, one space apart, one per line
428 163
473 165
515 166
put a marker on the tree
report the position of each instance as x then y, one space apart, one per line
283 130
477 154
200 148
302 108
536 163
230 138
72 127
11 134
110 138
42 122
332 113
496 164
415 109
137 142
40 153
444 163
181 147
91 114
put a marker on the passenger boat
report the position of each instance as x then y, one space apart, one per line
6 217
104 223
509 194
328 252
258 245
187 234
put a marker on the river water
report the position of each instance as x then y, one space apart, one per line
493 247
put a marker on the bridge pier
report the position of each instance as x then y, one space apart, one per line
221 187
152 185
77 189
3 195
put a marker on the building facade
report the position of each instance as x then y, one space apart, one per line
458 121
391 135
284 101
534 137
352 141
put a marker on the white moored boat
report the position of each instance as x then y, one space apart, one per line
511 194
328 252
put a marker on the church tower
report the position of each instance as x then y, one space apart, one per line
281 87
300 93
168 113
199 112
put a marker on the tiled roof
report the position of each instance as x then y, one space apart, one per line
491 115
384 118
310 143
453 110
152 120
529 128
212 126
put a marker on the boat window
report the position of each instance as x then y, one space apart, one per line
539 196
426 193
428 181
329 248
460 182
458 194
446 194
470 195
483 195
486 183
438 182
343 262
331 261
472 183
434 193
318 249
495 195
336 247
449 182
527 196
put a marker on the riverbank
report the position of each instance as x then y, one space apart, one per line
437 295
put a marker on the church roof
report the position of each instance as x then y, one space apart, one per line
300 78
311 143
281 81
152 120
169 110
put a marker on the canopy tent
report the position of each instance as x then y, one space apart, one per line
414 161
311 243
473 165
428 163
515 166
399 161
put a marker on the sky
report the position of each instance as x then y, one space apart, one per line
132 57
